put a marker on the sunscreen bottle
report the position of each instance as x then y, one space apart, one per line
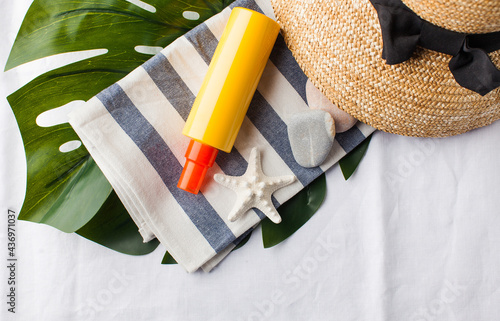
227 89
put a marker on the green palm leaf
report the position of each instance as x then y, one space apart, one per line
350 162
295 212
66 189
113 228
299 209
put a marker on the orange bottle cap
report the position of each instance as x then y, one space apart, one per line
199 158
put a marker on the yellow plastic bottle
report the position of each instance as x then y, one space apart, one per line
228 87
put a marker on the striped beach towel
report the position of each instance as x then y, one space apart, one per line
133 131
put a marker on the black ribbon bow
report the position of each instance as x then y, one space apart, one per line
403 30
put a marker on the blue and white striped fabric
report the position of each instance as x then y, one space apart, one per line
133 131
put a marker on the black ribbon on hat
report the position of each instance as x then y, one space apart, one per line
403 30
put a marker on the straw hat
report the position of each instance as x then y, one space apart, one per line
338 44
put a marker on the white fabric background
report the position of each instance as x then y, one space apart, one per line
413 235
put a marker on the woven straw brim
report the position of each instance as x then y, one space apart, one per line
467 16
338 44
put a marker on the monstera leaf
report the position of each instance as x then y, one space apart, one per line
300 208
350 162
113 228
295 212
65 188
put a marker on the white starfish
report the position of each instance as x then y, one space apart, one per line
254 189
